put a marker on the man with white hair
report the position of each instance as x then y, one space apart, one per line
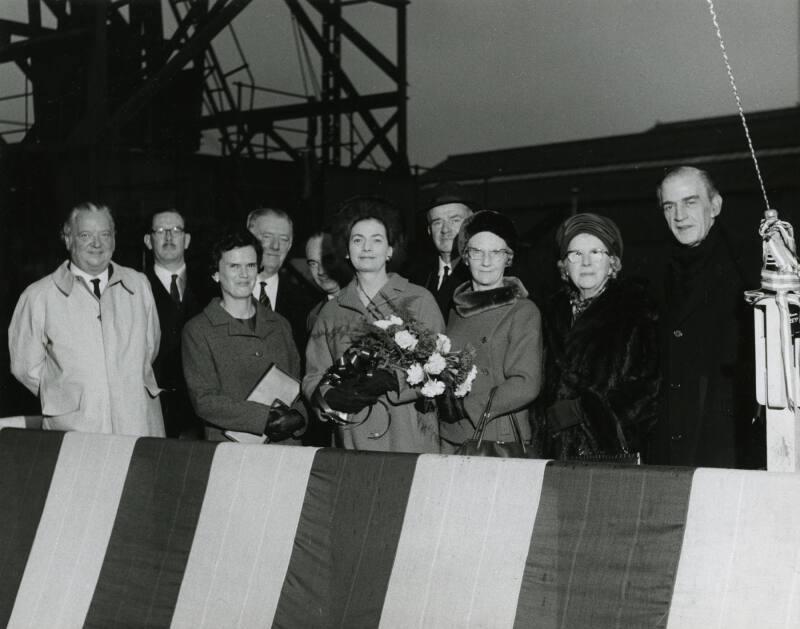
275 288
707 343
83 338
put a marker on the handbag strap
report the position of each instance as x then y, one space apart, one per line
481 427
623 442
486 417
518 432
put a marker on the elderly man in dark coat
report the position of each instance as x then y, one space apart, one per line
706 340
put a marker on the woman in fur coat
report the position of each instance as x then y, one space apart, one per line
602 375
493 314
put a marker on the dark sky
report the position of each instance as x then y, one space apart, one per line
486 74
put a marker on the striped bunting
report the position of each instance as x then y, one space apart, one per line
465 538
73 531
107 531
605 547
152 534
244 536
740 564
346 539
27 462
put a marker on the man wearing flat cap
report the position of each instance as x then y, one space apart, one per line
447 207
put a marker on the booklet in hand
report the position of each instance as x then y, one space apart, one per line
274 386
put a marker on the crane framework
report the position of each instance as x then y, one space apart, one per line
103 73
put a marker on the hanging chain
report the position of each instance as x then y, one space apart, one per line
738 101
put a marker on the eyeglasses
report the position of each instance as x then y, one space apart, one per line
453 221
162 231
87 237
595 255
493 254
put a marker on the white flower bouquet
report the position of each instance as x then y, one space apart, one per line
426 358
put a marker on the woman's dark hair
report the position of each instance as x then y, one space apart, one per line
234 240
361 208
336 267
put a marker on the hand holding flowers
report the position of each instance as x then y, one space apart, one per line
425 357
400 347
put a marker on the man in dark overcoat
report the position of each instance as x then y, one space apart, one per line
706 332
445 211
176 302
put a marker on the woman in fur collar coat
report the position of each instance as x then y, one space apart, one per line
602 348
493 314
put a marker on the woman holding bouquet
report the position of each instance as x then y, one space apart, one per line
377 407
493 314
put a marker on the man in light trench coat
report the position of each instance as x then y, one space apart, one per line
83 338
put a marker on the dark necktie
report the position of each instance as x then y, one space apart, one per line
96 287
445 275
263 297
173 289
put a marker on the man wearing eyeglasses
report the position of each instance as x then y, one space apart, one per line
84 337
448 206
275 287
176 302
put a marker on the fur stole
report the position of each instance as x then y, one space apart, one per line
469 302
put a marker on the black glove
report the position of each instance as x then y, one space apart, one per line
354 394
283 422
377 382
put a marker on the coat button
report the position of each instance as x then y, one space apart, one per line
675 385
484 340
485 371
678 436
677 333
258 354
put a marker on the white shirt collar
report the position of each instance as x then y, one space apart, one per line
165 277
443 264
272 288
103 277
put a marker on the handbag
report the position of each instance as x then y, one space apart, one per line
626 457
621 458
478 446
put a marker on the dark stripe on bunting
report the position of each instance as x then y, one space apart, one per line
152 535
27 461
346 540
605 547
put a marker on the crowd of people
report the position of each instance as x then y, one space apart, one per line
601 369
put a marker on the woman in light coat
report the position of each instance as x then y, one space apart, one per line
493 314
385 418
